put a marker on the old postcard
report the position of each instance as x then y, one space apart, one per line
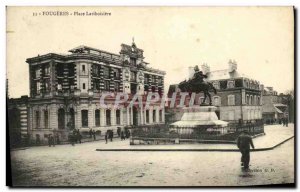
150 96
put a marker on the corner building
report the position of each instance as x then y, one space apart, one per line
65 91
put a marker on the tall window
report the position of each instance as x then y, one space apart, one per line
258 100
47 70
37 119
132 61
132 76
247 99
83 85
61 118
250 100
118 117
147 116
106 85
108 117
84 118
83 68
37 73
97 117
116 74
154 115
106 72
46 119
160 116
38 87
231 100
117 86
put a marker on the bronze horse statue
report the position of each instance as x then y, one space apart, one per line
205 87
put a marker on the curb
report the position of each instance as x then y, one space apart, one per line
197 150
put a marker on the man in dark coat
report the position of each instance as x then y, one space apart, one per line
243 142
106 138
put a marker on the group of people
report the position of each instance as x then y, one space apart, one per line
123 134
109 135
93 134
75 137
52 140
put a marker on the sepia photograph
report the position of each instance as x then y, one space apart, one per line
170 96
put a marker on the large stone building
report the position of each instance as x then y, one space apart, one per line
65 91
238 98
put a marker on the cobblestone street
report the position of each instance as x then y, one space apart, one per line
81 165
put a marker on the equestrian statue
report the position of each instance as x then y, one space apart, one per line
197 85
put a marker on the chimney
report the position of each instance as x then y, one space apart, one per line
191 72
205 68
232 66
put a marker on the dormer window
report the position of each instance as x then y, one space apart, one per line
230 84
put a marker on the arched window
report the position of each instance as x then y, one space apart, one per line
97 117
255 98
247 99
251 100
61 118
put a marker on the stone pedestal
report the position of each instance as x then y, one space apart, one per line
202 118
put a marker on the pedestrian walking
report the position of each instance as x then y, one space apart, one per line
106 138
243 142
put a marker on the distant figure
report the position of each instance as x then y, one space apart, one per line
243 142
79 136
127 133
106 138
122 135
111 135
94 135
49 140
119 131
52 140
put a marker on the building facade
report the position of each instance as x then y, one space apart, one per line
274 107
238 98
65 91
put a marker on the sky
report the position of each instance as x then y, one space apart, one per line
260 39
